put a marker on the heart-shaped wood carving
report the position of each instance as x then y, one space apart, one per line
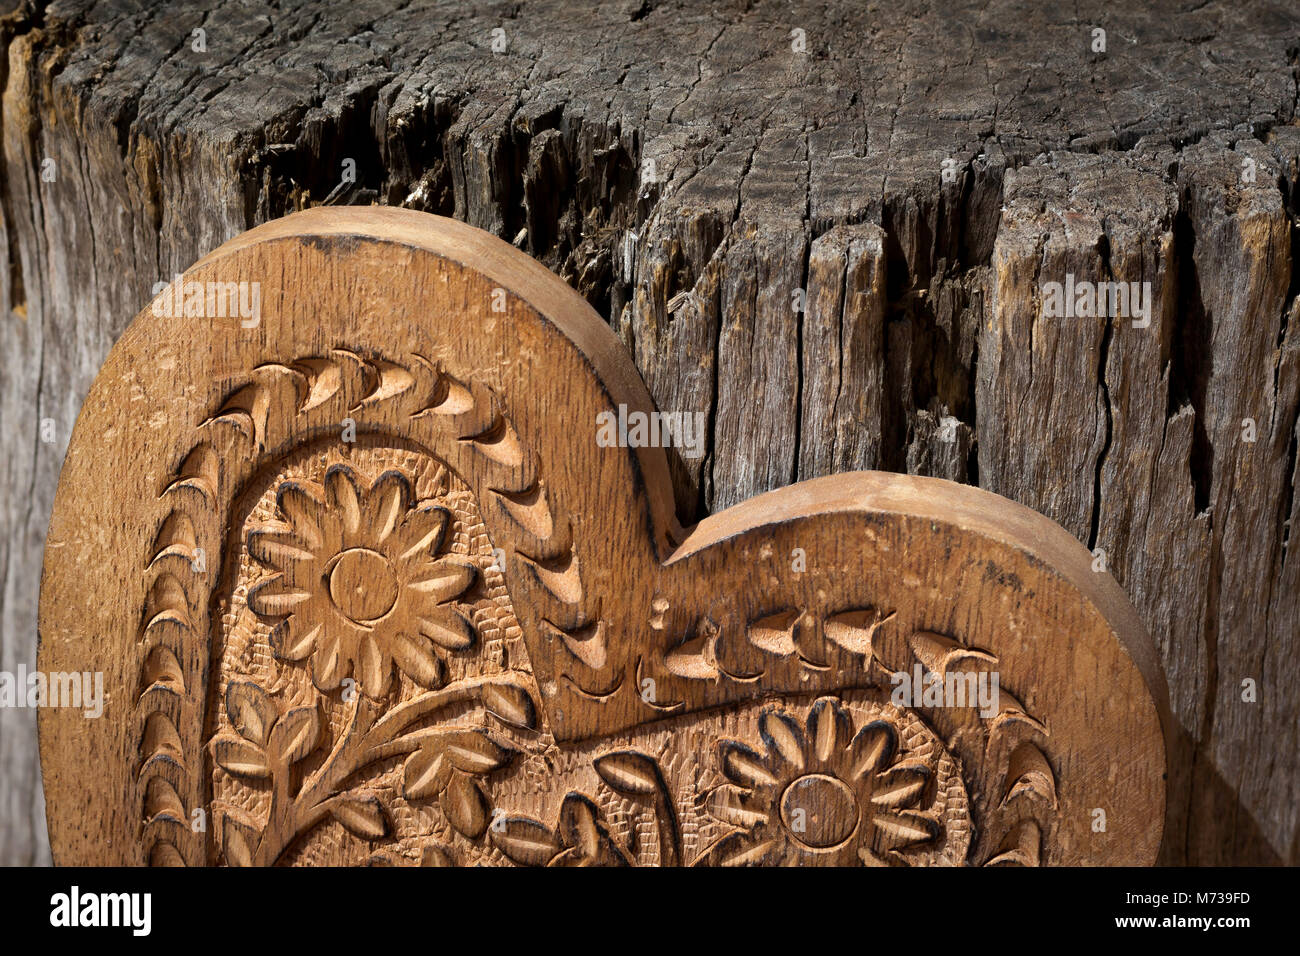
366 583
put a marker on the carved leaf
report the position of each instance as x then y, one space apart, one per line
585 837
161 667
1030 775
177 532
250 710
853 630
586 643
425 773
325 377
628 772
1020 847
239 840
453 397
740 849
696 658
465 805
436 856
421 531
162 802
941 653
580 824
199 470
296 734
362 815
473 752
161 738
775 633
165 854
525 841
1011 711
240 757
510 703
529 510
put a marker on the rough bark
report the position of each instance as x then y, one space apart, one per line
694 177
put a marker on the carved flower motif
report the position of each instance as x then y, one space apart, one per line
360 584
821 794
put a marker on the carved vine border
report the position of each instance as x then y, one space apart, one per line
279 408
795 632
581 836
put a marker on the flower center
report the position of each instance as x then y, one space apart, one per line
819 811
363 584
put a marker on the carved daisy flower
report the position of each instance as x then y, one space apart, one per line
820 794
359 582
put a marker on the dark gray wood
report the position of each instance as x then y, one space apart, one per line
775 171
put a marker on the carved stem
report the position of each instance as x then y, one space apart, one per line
670 841
364 741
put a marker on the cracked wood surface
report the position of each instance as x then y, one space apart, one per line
922 346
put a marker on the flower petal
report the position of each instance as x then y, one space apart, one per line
374 668
294 637
898 831
388 499
275 597
739 849
420 532
730 804
304 509
278 547
344 497
414 655
445 580
829 728
447 628
327 663
872 748
743 766
900 786
783 737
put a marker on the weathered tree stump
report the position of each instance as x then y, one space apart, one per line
830 228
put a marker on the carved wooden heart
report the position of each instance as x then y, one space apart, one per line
364 587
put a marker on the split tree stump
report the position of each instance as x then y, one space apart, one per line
761 204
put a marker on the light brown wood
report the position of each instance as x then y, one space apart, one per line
364 587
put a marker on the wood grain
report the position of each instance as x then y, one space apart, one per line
369 590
